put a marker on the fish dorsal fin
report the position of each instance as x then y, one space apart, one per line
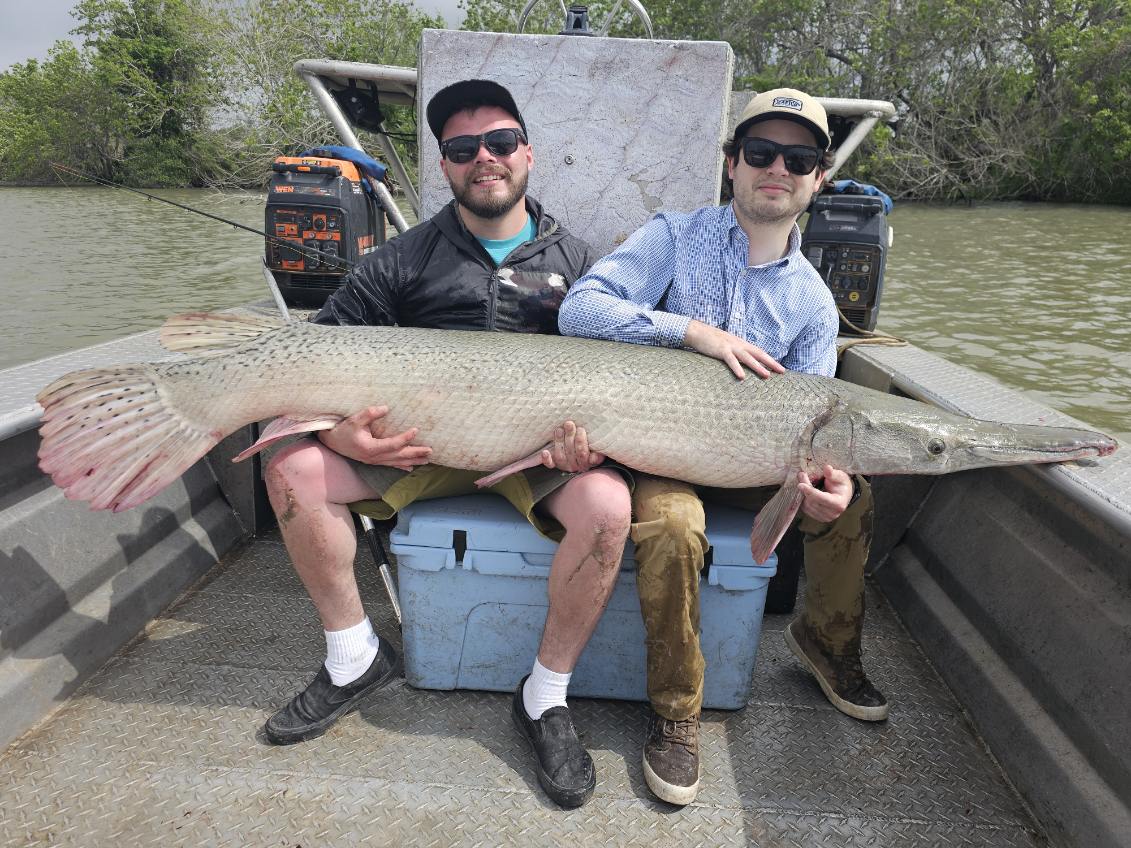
211 333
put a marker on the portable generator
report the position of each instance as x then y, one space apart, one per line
322 207
847 238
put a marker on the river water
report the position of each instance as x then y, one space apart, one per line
1037 295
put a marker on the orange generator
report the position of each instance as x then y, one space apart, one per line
322 207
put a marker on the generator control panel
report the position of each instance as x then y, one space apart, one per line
318 231
846 239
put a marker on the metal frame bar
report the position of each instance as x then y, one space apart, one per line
636 6
870 112
396 85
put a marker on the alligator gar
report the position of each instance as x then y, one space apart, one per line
489 401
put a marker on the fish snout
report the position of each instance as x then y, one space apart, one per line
1043 444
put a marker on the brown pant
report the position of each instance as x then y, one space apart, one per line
670 536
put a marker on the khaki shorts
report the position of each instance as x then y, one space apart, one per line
525 490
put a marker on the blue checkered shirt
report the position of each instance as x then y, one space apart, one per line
696 263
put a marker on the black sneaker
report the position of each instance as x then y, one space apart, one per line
671 758
314 710
565 768
840 676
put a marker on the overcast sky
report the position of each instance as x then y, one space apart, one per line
28 28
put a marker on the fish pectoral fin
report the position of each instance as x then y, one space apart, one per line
774 519
531 461
282 427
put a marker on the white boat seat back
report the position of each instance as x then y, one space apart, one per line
615 140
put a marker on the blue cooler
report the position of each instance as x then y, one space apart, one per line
472 582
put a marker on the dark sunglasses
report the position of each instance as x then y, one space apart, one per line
800 159
463 148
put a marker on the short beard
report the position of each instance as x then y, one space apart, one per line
491 207
751 212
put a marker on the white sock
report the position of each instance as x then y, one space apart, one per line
350 652
544 689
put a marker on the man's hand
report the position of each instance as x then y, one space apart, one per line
827 505
570 450
734 351
362 437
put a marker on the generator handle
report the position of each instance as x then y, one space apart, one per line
295 167
857 206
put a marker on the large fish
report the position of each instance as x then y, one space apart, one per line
491 401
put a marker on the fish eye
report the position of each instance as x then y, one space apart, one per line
935 447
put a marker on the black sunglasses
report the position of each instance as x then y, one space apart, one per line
800 159
463 148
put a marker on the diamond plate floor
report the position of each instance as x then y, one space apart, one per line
163 747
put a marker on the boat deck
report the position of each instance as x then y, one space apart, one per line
164 747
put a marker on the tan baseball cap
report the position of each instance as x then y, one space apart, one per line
787 104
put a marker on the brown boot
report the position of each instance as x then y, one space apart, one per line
841 676
671 758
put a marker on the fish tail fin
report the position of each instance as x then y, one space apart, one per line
212 333
109 437
774 519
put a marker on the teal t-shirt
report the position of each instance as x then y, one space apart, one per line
500 249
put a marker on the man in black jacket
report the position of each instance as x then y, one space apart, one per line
492 259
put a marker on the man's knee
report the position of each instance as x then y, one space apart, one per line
598 504
673 524
293 465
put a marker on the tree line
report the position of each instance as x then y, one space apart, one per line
997 99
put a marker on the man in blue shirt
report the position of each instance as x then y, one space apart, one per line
731 283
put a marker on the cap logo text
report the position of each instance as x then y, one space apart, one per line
787 103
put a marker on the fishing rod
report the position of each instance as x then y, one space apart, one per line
297 247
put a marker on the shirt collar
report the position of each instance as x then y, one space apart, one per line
734 231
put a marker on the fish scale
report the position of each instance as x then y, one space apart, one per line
484 400
490 401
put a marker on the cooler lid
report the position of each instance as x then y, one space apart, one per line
487 522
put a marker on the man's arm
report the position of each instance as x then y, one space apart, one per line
814 349
368 294
617 299
367 298
814 352
362 438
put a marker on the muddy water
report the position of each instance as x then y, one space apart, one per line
1037 295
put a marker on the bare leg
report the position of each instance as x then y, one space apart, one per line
595 509
309 486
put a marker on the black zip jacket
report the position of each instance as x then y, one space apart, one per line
437 275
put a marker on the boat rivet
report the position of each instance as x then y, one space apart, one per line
569 159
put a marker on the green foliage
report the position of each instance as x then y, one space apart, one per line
269 111
130 105
53 111
996 98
